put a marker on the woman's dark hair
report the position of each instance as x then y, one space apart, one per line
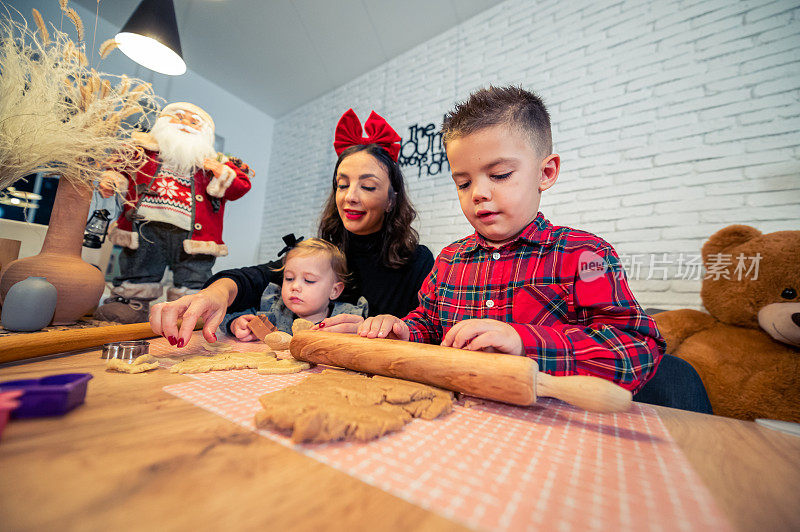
399 239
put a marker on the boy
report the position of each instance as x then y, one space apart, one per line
520 285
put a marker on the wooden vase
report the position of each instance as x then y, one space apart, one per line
79 284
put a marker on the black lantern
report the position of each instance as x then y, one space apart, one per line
96 229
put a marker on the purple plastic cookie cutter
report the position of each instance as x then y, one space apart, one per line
54 395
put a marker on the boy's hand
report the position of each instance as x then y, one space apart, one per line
484 335
384 326
240 329
341 323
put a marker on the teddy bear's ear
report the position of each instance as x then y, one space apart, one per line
729 237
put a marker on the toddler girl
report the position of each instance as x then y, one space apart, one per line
314 274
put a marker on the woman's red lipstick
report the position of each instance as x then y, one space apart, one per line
353 215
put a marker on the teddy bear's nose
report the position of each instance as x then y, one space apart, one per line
796 318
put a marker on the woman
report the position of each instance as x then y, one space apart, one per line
367 215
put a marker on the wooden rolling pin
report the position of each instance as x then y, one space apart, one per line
22 346
507 378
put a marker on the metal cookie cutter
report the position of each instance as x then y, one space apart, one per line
126 351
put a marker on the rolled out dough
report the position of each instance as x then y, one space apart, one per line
279 366
335 405
221 362
139 365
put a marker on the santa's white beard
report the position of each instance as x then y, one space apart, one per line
181 150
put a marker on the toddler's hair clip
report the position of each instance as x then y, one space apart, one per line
291 241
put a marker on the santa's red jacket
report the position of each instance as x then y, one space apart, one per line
206 234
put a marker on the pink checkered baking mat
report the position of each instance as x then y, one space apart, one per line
499 467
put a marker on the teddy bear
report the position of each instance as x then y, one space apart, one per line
746 347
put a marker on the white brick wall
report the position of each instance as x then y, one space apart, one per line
673 119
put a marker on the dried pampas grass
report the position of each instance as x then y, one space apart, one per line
37 18
56 115
76 21
107 47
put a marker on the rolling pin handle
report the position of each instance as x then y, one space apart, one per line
590 393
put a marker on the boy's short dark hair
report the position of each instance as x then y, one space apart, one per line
511 106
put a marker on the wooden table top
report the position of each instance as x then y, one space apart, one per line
135 457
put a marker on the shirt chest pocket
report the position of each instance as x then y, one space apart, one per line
543 304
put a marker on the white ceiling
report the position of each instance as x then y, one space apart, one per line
279 54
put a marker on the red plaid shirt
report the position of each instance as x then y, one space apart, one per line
563 290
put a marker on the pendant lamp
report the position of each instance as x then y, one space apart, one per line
150 37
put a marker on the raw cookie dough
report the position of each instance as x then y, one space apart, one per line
279 341
140 364
300 325
282 366
469 402
335 405
217 347
221 362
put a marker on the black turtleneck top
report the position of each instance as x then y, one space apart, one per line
387 290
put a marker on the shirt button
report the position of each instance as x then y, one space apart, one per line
495 255
198 227
489 303
199 197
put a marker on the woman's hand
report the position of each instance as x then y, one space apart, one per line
384 326
341 323
484 335
210 304
240 329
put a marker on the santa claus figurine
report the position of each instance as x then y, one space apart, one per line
173 212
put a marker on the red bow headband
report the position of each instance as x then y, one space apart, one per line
348 133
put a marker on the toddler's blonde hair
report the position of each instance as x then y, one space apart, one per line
316 246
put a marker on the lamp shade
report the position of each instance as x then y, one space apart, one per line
150 37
